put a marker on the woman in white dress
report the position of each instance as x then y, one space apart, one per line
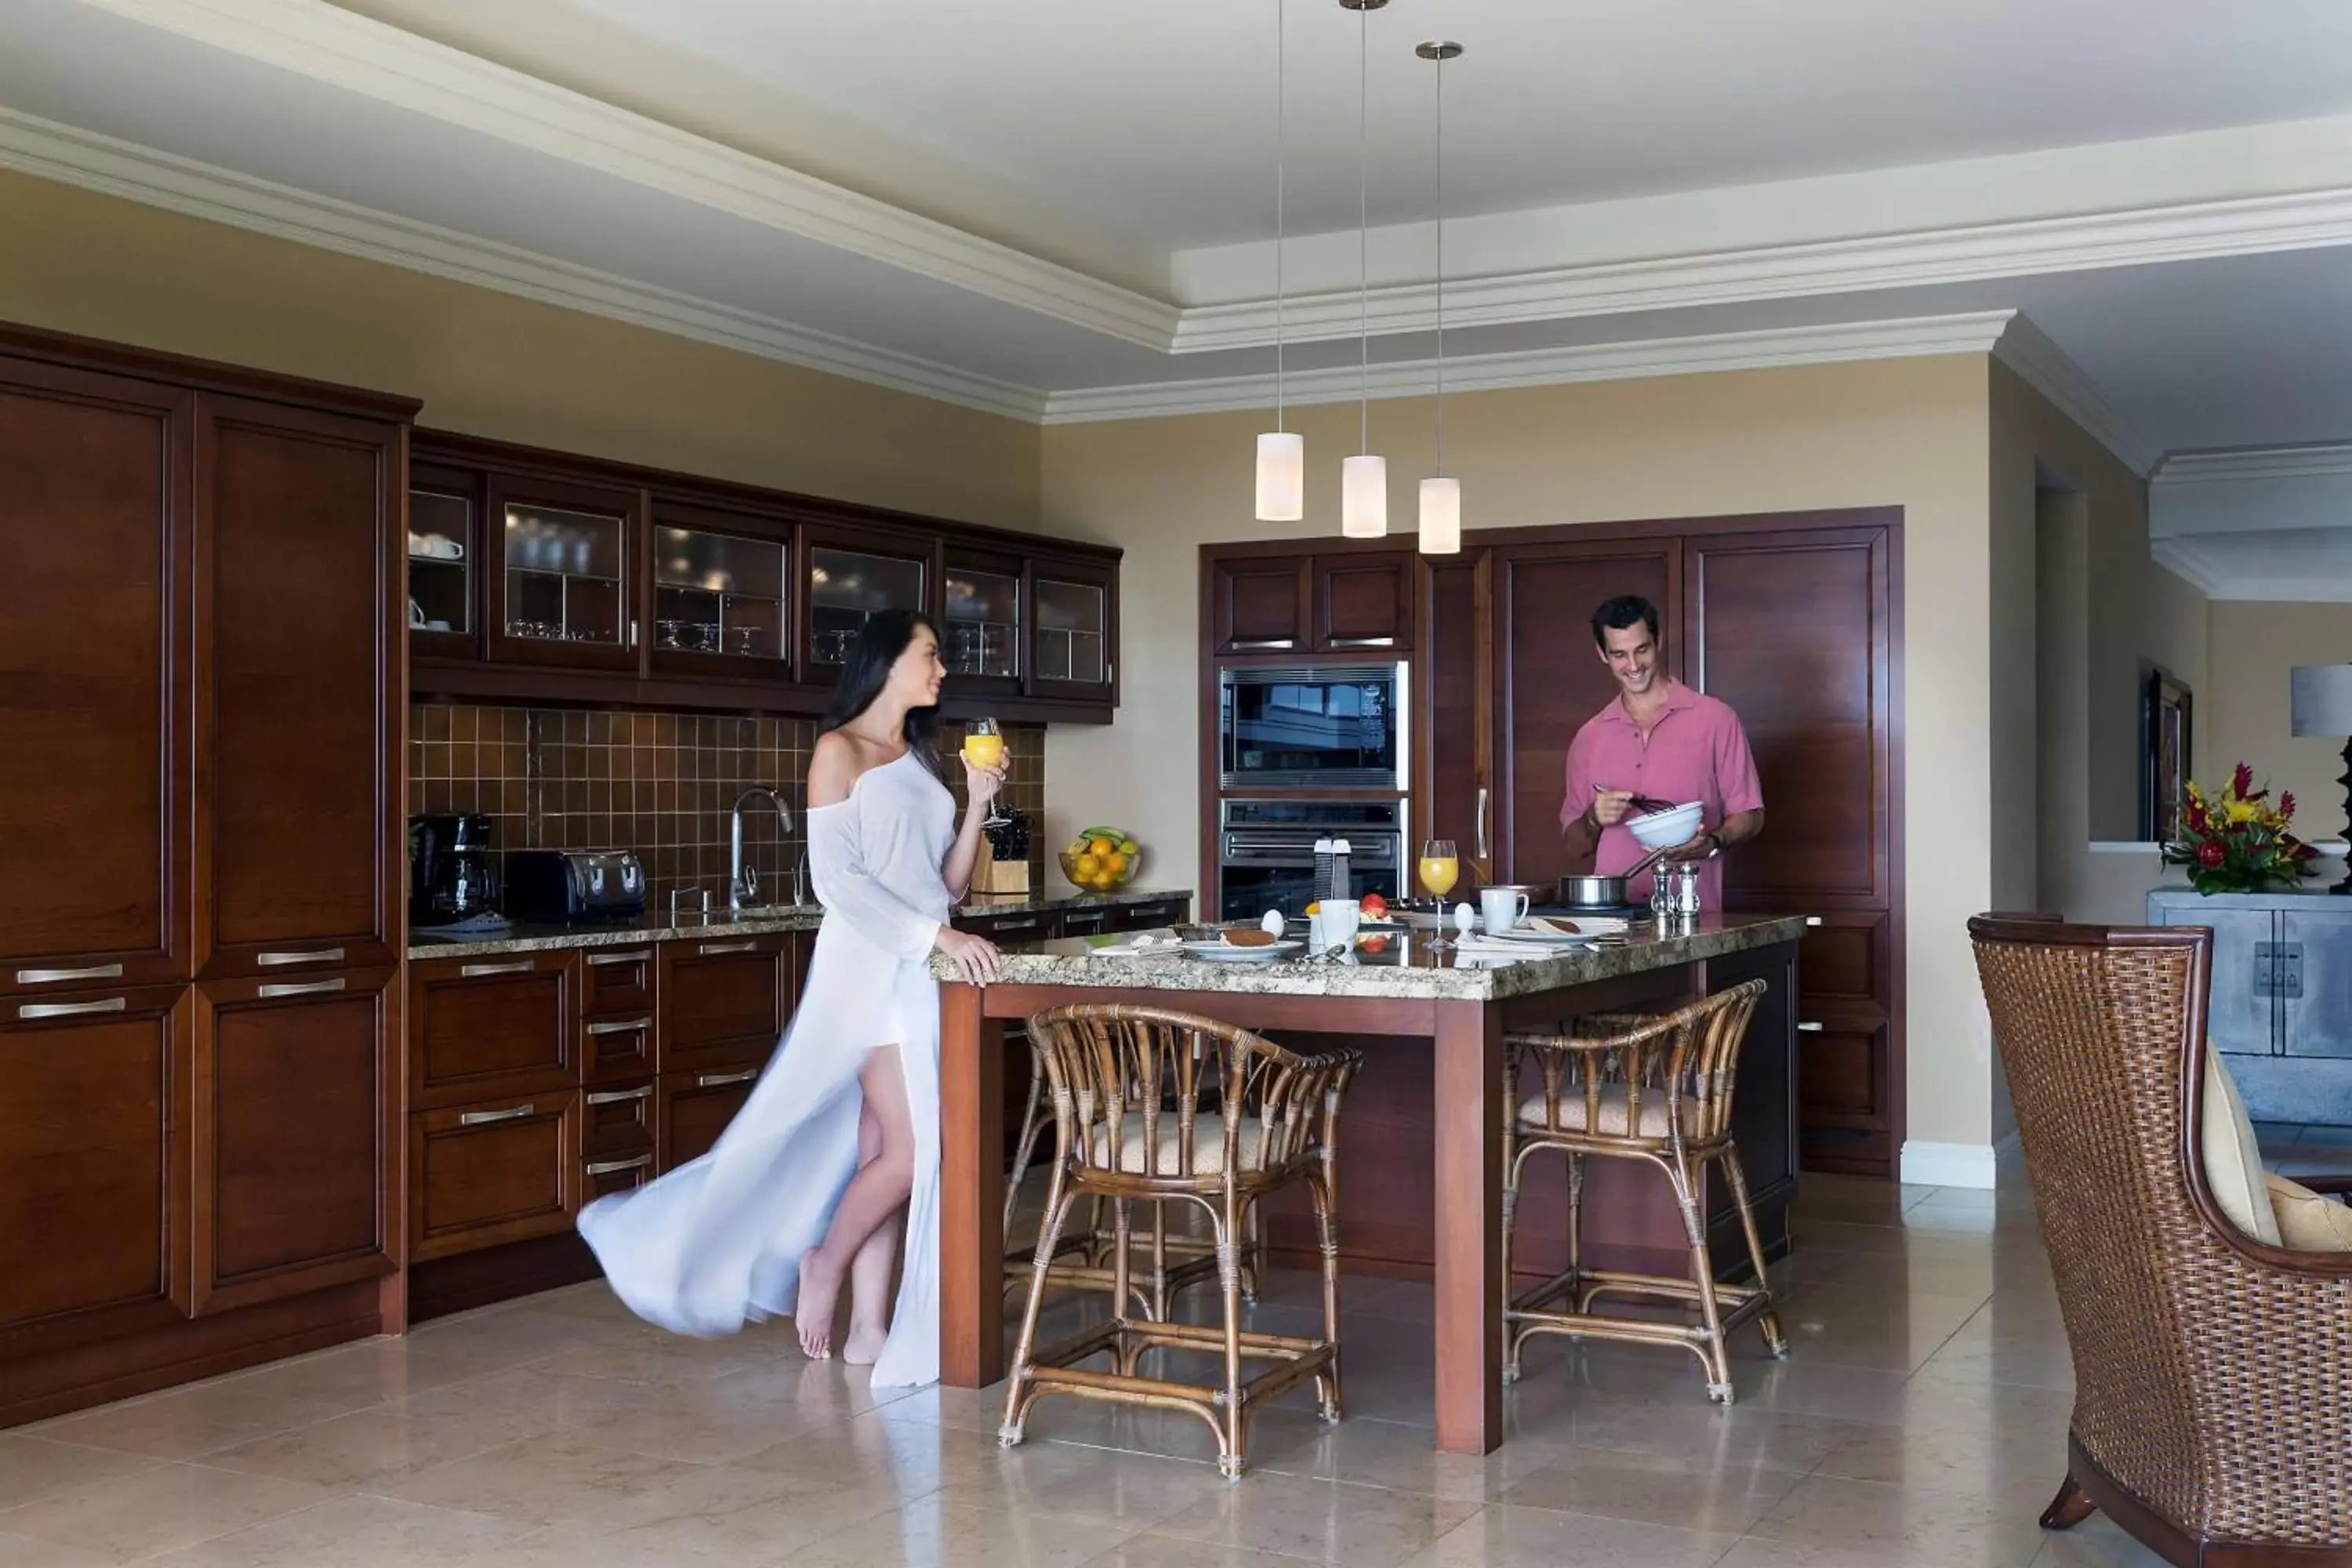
802 1190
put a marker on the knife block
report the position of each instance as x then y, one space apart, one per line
990 875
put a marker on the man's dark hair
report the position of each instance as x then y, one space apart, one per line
1615 615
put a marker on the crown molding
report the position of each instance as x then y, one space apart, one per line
1974 332
2176 555
328 44
2044 365
2241 464
102 164
1919 259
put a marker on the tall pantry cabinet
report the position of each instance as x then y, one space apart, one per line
201 711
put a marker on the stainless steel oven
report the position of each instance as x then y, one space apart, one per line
1337 727
1265 851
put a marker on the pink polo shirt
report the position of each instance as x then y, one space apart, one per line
1696 750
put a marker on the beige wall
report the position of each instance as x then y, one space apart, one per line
2242 709
1911 433
494 365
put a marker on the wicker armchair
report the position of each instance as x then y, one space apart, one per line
1169 1107
2212 1374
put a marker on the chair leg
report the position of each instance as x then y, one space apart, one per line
1324 1189
1122 1282
1252 1257
1776 1338
1511 1225
1032 1124
1718 1363
1234 1426
2070 1508
1158 1307
1575 1229
1058 1204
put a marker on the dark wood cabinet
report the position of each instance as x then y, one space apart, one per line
851 574
1356 602
1363 603
298 677
488 1028
95 524
445 586
726 1000
1258 603
562 563
618 980
987 621
614 1049
1073 631
499 1172
695 1107
1455 777
296 1111
618 1120
727 604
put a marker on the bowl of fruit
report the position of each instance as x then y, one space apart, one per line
1101 859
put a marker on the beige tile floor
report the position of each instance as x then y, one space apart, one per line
1920 1421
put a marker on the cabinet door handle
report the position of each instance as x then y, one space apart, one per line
1813 921
62 976
711 948
620 1096
475 970
1362 642
1483 850
1263 645
613 1167
1808 1026
317 955
477 1118
299 988
624 1026
720 1079
635 955
31 1010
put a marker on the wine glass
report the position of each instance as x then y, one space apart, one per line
1440 868
983 747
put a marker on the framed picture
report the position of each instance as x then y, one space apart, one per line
2165 714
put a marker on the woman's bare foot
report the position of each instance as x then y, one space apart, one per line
820 1290
863 1345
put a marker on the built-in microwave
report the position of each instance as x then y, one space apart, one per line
1265 851
1332 727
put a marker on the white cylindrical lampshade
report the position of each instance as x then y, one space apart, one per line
1441 517
1364 496
1281 476
2321 699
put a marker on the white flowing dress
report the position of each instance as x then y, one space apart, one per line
718 1242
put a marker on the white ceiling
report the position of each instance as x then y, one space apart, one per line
1019 207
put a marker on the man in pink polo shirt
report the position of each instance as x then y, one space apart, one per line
1662 740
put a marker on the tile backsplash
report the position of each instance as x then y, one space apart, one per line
662 784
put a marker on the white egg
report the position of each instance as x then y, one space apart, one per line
1273 924
1466 919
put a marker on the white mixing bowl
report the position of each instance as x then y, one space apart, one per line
1663 829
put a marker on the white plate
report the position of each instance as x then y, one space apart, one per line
1589 925
1226 953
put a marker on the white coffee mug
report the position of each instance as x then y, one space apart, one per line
1341 917
1502 907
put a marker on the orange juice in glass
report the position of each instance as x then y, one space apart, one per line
983 744
1440 867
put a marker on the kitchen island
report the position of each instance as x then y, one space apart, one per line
1434 1077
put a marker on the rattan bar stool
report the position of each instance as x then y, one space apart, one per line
1655 1088
1248 1118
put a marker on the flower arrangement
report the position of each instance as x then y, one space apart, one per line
2237 841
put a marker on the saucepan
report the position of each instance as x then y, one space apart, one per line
1606 893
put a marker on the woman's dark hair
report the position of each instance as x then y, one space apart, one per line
866 670
1615 615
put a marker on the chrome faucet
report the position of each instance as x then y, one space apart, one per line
743 881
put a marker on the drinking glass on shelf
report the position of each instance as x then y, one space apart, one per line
1440 868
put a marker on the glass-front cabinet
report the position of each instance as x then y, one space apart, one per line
1072 653
722 594
443 534
981 625
849 582
562 592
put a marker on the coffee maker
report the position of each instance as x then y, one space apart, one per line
451 876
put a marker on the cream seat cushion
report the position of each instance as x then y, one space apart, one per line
1208 1145
2306 1221
1532 1112
2233 1161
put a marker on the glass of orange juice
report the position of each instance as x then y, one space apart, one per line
1441 867
983 744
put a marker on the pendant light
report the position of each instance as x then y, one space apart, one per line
1440 498
1281 454
1364 478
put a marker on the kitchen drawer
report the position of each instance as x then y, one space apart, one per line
621 1174
1152 916
616 1048
695 1108
616 1119
1844 958
1012 929
725 1000
1090 919
485 1174
618 980
492 1029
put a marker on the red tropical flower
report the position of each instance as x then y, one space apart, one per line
2196 815
2242 783
2286 804
2210 853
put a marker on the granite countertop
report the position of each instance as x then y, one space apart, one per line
1409 970
525 938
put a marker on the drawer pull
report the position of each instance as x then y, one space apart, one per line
61 976
613 1167
624 1026
299 988
620 1096
475 970
635 955
1813 919
71 1009
318 955
1360 642
477 1118
720 1079
712 948
1263 645
1808 1026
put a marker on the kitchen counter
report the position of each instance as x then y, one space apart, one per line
523 937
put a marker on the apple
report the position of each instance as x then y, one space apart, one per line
1374 906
